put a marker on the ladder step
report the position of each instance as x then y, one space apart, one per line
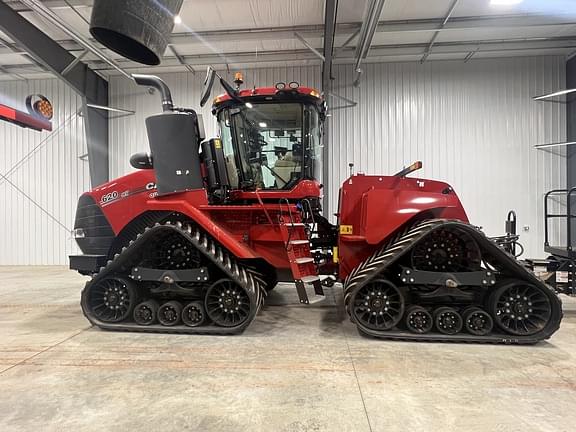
299 242
303 260
309 279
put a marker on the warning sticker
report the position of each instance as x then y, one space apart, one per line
345 229
562 277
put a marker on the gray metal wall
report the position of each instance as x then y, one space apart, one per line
472 124
45 177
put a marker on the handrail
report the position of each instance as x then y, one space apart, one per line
568 193
263 207
281 217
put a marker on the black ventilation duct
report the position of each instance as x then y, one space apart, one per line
136 29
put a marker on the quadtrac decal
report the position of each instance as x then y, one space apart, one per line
112 197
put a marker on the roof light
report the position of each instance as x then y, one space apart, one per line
238 79
314 93
280 86
262 125
293 85
249 105
177 19
505 2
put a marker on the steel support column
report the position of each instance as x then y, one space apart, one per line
330 13
571 130
91 87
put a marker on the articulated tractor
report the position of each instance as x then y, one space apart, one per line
196 237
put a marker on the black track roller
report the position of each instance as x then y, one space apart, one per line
169 313
193 314
146 312
448 321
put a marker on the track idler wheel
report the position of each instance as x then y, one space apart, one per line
477 321
227 303
193 314
448 321
520 308
146 312
378 305
169 313
110 300
418 320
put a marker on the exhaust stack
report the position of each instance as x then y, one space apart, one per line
174 137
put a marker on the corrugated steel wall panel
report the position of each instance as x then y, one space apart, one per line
37 210
472 124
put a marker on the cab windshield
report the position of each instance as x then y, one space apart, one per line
270 145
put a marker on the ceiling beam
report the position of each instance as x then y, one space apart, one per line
52 4
372 13
437 33
346 55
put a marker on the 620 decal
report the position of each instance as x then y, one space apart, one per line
106 198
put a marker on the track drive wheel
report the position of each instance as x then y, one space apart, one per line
110 300
193 314
227 303
145 313
169 313
418 320
520 308
448 321
477 321
378 305
447 250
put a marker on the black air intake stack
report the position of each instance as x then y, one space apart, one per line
174 137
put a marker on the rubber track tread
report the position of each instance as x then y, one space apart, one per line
248 278
390 252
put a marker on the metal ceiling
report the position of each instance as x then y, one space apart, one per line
234 34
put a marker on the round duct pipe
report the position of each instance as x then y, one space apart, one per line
136 29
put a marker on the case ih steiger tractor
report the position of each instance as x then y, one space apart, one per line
195 238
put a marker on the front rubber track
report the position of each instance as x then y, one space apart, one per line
390 253
123 262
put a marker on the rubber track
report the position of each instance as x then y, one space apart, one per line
389 253
120 266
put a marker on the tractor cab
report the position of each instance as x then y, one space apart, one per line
269 138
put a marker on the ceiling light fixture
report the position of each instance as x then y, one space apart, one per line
177 19
558 93
505 2
262 125
560 144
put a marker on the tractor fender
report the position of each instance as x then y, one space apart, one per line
181 205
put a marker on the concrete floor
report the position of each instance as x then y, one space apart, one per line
297 368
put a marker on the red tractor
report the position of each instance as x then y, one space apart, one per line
193 241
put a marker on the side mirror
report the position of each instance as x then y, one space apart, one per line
208 83
142 161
